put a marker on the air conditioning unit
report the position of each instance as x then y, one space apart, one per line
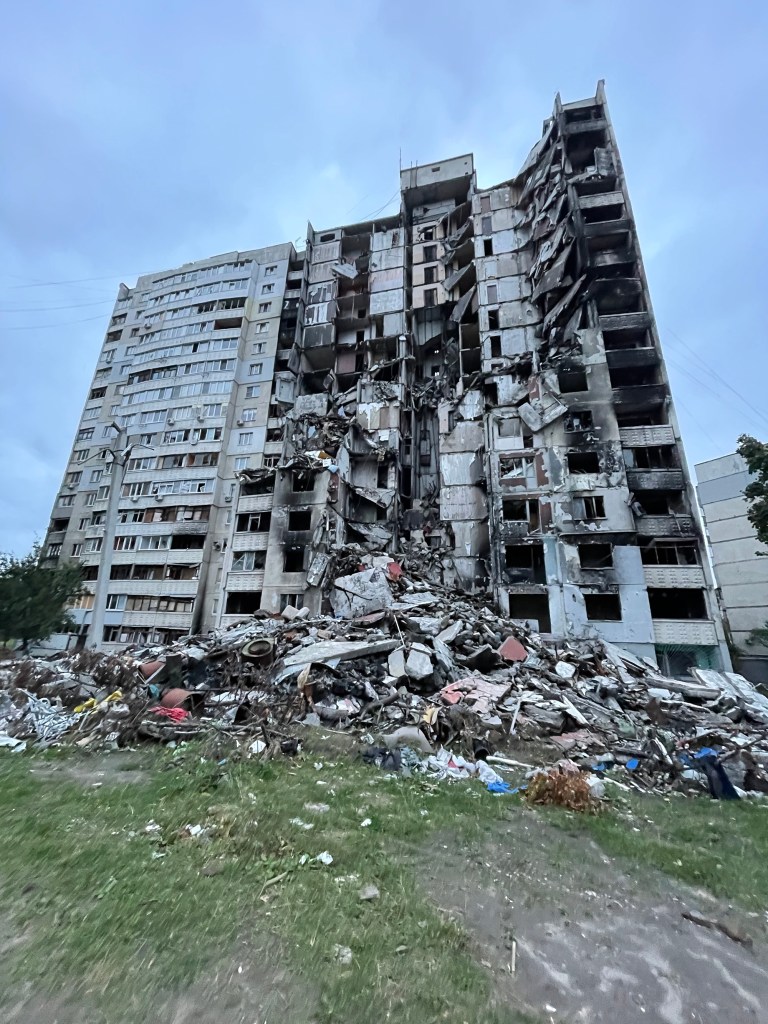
240 423
159 497
170 422
193 440
134 497
227 497
200 419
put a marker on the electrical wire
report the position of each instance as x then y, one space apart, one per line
710 369
42 327
707 387
50 309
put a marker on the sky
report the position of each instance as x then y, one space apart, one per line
140 136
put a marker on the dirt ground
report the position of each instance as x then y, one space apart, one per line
594 945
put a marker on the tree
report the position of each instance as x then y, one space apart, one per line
755 454
34 597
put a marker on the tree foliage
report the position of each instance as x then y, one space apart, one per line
755 454
34 597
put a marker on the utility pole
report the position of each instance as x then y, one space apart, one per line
120 457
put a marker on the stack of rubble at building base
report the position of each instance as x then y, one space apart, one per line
401 653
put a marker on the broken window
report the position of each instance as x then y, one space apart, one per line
531 608
253 522
525 562
430 297
430 253
187 541
656 457
247 561
651 503
243 602
430 275
293 559
588 508
382 475
578 420
493 319
595 556
303 482
291 600
526 511
572 379
583 462
603 607
517 471
677 603
300 519
495 341
487 247
658 552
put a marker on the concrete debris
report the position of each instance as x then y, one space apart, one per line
451 686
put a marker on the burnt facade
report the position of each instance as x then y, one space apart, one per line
478 378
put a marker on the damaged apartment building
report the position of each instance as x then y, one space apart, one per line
474 383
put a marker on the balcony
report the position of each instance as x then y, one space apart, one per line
646 437
239 581
248 542
256 503
665 526
639 397
158 620
684 631
626 322
628 358
667 576
655 479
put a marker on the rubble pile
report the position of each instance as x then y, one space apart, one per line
407 665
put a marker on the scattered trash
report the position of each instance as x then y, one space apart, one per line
431 679
342 954
369 892
324 858
365 823
563 789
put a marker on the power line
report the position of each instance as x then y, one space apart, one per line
710 369
50 309
42 327
707 387
73 280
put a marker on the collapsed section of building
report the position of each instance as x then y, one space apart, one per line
475 383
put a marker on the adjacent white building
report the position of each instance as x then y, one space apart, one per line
740 571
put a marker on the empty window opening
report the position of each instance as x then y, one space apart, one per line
486 225
578 420
603 607
632 376
303 482
509 426
493 319
427 234
583 462
485 204
596 556
531 608
244 602
525 562
430 297
572 379
657 457
588 508
300 519
526 511
652 417
677 603
495 340
253 522
596 214
430 253
293 559
265 485
382 475
487 247
291 600
651 503
670 553
430 275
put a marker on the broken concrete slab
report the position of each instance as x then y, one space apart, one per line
361 594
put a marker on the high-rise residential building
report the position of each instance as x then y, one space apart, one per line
479 373
740 573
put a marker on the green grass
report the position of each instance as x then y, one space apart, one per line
83 885
721 846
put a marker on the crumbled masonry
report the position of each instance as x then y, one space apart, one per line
420 668
475 379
